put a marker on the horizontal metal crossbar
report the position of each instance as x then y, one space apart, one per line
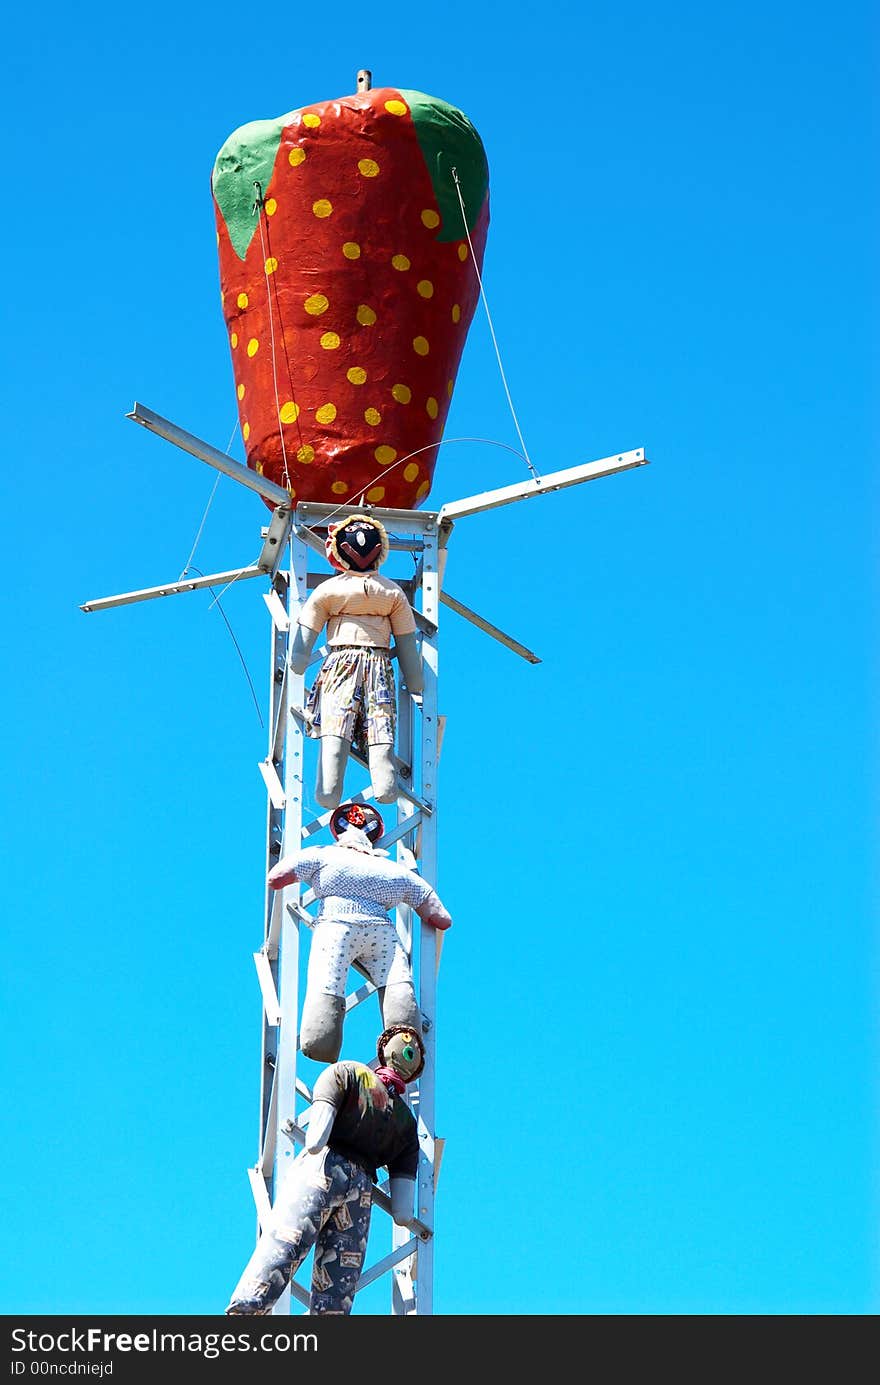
214 579
543 485
412 520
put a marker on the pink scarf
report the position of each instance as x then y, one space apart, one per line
392 1079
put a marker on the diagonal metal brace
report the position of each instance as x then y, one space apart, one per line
221 461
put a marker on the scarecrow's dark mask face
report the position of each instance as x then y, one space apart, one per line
359 545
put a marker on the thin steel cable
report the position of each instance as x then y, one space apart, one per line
216 602
491 442
525 450
229 584
258 207
189 567
207 508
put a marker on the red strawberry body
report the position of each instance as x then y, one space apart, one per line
349 289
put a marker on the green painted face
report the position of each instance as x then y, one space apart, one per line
403 1053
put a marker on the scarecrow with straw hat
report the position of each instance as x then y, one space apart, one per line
353 699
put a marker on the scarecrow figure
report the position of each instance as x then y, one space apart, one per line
353 700
358 1122
356 884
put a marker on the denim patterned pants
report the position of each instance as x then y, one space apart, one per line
325 1201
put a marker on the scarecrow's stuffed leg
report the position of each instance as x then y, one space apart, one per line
397 1003
320 1029
383 775
300 1210
332 759
323 1011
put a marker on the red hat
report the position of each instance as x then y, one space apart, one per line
362 815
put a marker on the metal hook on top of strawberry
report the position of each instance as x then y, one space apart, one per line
348 288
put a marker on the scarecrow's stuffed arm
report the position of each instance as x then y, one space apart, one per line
321 1118
401 1190
433 911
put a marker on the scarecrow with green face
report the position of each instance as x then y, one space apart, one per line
358 1122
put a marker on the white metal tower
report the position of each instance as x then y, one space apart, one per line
293 536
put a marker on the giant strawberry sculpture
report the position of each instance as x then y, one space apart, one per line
348 286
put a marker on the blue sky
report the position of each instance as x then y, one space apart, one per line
657 1052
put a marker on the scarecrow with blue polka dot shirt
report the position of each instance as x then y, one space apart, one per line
356 885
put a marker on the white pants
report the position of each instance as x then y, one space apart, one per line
335 945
